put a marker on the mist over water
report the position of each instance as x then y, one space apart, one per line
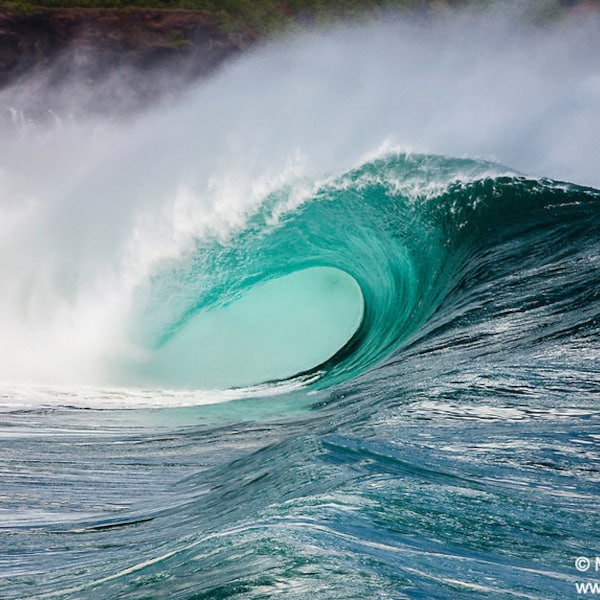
92 204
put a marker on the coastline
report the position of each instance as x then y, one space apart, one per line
88 42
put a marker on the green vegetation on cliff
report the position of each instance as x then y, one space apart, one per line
269 16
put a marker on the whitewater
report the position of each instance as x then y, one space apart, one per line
324 324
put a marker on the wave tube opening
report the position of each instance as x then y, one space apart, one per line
276 330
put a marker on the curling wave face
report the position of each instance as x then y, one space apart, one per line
332 287
369 231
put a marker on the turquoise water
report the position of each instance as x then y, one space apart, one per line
274 330
252 351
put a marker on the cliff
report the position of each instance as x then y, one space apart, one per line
88 42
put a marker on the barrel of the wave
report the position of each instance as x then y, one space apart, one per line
328 290
277 329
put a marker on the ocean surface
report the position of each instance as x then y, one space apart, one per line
326 325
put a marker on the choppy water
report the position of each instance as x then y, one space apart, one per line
254 353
